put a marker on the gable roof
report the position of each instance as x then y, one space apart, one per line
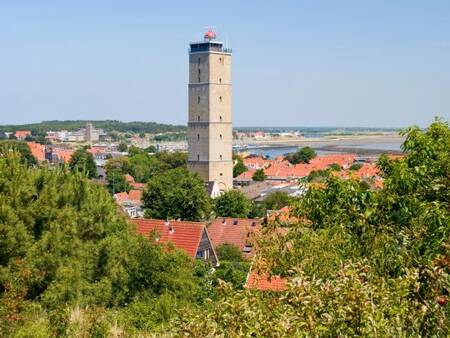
38 150
235 231
185 236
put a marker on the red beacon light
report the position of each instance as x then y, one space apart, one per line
210 35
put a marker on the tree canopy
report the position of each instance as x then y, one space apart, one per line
83 161
232 203
7 146
303 155
259 175
176 194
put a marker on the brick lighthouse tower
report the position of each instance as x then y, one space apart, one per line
210 120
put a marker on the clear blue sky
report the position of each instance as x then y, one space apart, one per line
302 63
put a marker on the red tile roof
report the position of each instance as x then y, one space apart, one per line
264 282
129 178
138 186
235 231
63 154
132 195
185 236
21 134
38 150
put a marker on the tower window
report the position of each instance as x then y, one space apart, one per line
199 79
220 98
198 137
220 80
198 99
221 174
221 157
198 157
220 118
198 61
220 136
220 60
198 117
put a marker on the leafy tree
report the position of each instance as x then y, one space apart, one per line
239 167
71 266
117 182
22 148
368 262
335 167
83 161
257 210
173 160
122 147
176 194
232 203
144 166
151 149
229 252
276 200
303 155
355 166
259 175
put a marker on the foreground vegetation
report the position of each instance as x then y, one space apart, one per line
358 262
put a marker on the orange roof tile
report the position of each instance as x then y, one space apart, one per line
264 282
235 231
38 150
129 178
185 236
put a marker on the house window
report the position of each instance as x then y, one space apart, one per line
198 99
206 254
199 254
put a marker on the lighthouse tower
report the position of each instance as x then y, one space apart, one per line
210 120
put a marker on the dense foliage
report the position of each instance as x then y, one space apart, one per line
177 194
259 175
276 200
22 148
359 262
232 203
68 262
107 125
239 167
83 161
303 155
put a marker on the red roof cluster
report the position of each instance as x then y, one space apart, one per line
63 154
132 196
235 231
185 236
22 134
38 150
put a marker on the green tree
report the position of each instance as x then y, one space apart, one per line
144 166
232 203
276 200
368 262
122 147
176 194
173 160
83 161
239 167
303 155
259 175
151 149
117 182
229 252
22 148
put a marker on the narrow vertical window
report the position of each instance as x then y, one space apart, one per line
220 136
198 157
220 60
220 80
220 98
198 137
199 79
198 99
220 118
198 118
198 61
221 157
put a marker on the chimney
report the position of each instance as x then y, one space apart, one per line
224 221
